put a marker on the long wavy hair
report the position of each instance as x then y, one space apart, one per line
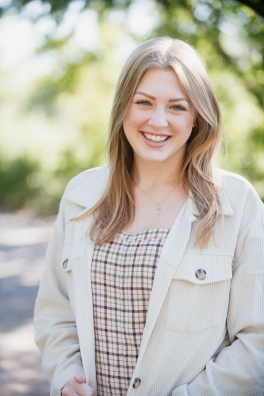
116 208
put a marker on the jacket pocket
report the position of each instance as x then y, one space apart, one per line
199 293
66 261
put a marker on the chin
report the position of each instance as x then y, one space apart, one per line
153 158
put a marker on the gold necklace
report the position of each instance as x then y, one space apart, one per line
159 204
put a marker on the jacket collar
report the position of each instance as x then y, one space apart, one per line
88 193
226 208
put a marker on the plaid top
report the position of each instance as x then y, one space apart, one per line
122 275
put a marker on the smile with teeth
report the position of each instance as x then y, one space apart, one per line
155 138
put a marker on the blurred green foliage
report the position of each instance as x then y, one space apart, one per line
13 181
21 185
78 94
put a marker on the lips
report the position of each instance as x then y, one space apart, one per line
155 138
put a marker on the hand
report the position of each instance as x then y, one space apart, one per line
77 386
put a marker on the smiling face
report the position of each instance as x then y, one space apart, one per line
160 118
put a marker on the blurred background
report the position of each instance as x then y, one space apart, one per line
59 63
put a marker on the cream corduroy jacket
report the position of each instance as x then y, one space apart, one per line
202 337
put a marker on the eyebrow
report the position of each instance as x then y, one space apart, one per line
153 97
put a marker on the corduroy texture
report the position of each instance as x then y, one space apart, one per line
201 337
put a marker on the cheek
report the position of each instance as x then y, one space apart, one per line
182 126
132 121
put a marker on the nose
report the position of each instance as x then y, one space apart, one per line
158 119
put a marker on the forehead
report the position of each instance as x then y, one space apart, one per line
160 80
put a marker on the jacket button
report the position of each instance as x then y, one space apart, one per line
65 263
200 274
136 383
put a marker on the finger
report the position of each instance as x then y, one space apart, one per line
87 394
80 377
68 391
84 390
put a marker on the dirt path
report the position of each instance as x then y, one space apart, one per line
23 242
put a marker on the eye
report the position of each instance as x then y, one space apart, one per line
177 107
143 102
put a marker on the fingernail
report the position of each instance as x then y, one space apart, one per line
80 376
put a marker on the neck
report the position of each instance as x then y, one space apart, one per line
149 174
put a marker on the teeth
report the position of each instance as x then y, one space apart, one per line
154 138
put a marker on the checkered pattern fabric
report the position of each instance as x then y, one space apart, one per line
122 275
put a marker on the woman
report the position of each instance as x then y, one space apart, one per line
153 282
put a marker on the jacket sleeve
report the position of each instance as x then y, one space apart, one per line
239 368
55 327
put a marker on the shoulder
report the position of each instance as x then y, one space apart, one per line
82 192
229 180
87 177
235 185
242 197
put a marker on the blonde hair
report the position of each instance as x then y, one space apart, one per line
116 208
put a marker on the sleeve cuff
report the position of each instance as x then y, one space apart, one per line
61 378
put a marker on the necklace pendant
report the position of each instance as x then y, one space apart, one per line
158 210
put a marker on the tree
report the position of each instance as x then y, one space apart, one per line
61 5
228 34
